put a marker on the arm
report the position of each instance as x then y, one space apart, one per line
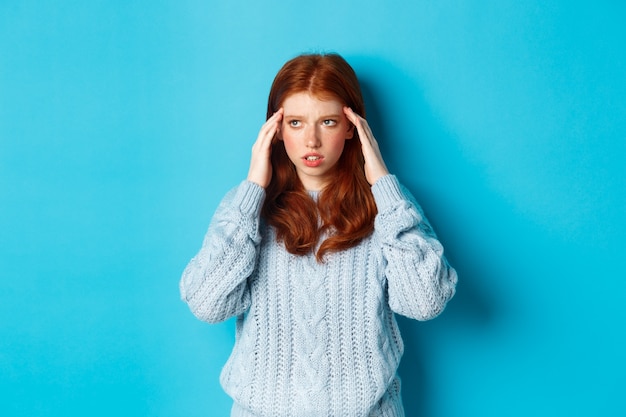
214 283
419 279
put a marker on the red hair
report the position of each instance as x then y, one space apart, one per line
346 207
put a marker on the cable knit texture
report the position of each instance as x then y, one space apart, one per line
317 339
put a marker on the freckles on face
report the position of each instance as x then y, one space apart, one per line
314 132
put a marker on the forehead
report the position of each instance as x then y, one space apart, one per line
302 103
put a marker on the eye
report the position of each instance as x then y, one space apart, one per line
294 123
329 122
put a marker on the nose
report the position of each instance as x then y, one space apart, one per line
313 138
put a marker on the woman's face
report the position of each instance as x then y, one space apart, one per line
314 132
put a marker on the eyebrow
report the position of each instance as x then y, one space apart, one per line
324 117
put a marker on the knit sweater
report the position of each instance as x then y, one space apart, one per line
317 339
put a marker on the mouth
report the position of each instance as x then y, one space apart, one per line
312 160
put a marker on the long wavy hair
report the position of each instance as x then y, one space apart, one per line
345 209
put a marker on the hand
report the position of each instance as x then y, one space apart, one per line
260 170
375 167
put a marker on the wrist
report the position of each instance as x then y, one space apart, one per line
377 174
261 179
262 184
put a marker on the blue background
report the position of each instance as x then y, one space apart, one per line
122 124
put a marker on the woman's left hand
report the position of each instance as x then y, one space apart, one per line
375 167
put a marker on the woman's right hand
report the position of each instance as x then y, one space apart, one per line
260 164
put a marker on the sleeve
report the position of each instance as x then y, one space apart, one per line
419 279
214 283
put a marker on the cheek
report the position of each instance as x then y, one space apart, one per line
288 140
290 145
337 146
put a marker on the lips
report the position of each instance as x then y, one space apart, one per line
312 159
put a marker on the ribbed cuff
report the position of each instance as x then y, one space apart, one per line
249 198
387 191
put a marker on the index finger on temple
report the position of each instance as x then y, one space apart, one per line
352 116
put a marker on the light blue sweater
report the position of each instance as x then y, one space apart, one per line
317 339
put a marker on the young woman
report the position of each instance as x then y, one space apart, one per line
314 253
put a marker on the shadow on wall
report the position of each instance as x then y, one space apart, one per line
415 147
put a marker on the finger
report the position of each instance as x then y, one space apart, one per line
355 119
269 129
276 120
362 127
352 116
271 124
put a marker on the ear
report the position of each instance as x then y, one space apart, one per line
350 133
